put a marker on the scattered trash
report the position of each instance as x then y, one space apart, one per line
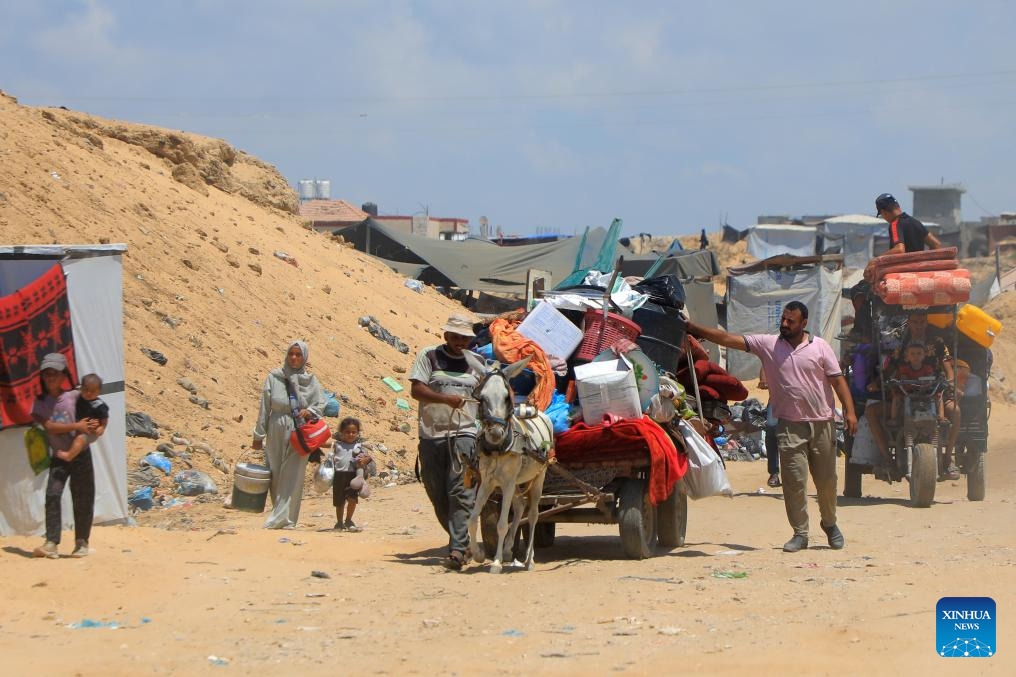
89 623
187 385
415 285
222 532
157 461
215 660
182 441
729 553
316 594
320 574
194 483
332 406
402 404
730 574
513 633
141 499
56 176
140 424
287 258
200 401
382 334
669 631
155 356
431 623
393 384
649 579
405 428
399 369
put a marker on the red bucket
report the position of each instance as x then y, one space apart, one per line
617 328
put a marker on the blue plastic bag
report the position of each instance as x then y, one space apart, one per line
141 499
557 412
332 405
486 351
158 461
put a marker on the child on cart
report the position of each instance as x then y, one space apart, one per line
915 365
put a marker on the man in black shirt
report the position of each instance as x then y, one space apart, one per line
906 234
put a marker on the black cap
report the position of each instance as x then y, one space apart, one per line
885 201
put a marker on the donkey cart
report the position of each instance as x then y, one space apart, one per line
609 487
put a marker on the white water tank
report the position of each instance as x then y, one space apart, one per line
324 189
307 189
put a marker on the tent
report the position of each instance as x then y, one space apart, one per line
757 292
470 264
854 235
768 240
95 298
698 263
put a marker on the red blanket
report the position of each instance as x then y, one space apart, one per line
714 382
666 465
34 321
940 287
873 273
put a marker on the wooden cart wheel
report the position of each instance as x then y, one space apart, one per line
637 520
489 515
672 518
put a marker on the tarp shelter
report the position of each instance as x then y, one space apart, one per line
757 293
780 239
470 264
694 268
699 263
95 297
854 235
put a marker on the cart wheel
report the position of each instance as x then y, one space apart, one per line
545 532
637 522
975 475
852 480
488 530
672 518
923 475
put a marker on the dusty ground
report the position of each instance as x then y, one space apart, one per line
388 607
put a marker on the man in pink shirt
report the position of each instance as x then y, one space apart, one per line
802 373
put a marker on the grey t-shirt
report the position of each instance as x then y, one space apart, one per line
447 374
344 455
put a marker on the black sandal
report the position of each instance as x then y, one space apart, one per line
455 561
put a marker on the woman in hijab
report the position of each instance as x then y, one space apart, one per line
274 425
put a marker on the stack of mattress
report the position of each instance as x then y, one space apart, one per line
928 278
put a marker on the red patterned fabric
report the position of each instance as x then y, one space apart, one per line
925 289
714 382
34 321
622 438
872 272
918 267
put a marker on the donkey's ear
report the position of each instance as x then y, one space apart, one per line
513 370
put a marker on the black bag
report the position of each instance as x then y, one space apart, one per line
665 290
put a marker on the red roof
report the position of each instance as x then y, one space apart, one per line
331 210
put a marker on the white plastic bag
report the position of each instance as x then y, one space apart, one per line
324 476
706 476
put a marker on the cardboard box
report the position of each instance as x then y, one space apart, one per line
607 388
553 332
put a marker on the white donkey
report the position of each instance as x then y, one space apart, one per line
511 452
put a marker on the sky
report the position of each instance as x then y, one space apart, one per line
546 114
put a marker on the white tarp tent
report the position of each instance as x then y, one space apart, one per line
781 239
854 235
95 297
757 293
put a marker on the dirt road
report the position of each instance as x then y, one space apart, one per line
183 594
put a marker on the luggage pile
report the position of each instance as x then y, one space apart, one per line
916 279
626 367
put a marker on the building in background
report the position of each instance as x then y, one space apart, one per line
425 225
328 216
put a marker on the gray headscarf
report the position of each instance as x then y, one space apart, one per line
303 383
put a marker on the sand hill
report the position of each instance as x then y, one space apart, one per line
202 284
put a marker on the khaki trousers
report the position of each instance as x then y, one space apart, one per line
803 446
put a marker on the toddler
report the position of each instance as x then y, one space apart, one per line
915 367
88 405
349 460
